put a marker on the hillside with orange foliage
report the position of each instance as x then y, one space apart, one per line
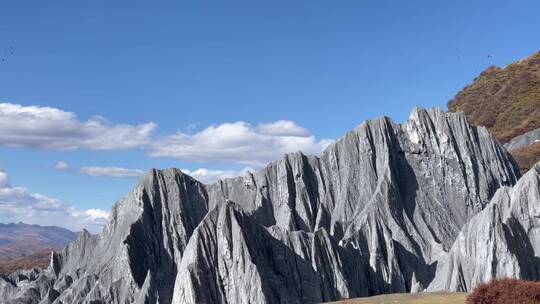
39 259
507 102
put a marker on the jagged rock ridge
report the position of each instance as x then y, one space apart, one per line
376 213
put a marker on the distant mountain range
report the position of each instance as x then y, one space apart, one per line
26 246
507 102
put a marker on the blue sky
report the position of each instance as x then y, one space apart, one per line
294 72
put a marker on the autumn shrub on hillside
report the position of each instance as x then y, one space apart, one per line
39 259
505 100
506 291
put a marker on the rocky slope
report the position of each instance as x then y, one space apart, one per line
523 141
528 156
507 101
525 149
378 212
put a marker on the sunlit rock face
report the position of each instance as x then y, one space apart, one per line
382 210
501 241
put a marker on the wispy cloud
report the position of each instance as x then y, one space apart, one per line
18 204
202 174
282 128
115 172
55 129
62 166
3 179
238 143
208 176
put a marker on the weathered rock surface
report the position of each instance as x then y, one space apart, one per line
378 212
524 140
501 241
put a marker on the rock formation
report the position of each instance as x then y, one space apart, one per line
524 140
501 241
386 208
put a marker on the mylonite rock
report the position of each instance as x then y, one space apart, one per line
233 259
374 214
524 140
501 241
135 257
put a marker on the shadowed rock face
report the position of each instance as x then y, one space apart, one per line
376 213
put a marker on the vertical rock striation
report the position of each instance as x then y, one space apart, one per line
501 241
378 212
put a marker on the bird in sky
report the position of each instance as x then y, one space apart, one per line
11 52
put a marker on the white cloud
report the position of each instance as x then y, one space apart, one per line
3 179
17 204
239 142
282 128
202 174
55 129
96 213
115 172
208 176
62 166
92 214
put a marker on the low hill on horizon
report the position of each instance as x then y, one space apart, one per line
24 246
